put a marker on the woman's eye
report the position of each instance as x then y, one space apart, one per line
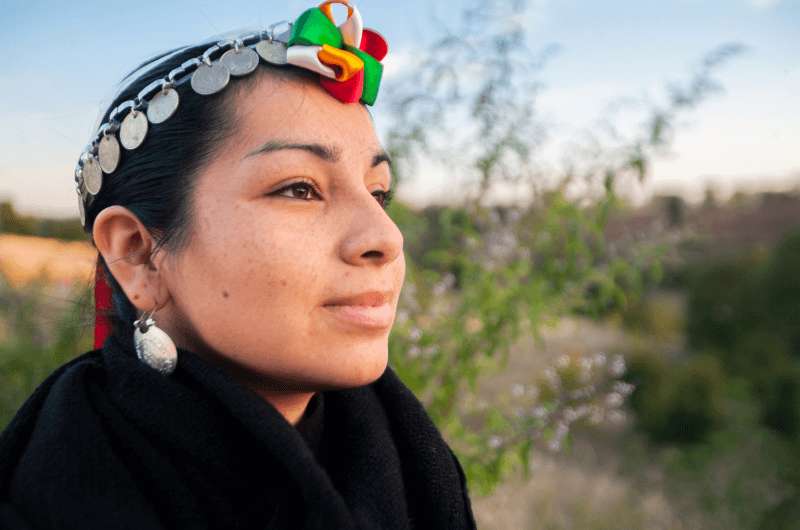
384 197
298 190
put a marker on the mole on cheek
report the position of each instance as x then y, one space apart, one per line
136 297
225 294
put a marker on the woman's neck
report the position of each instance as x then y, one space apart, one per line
290 402
292 405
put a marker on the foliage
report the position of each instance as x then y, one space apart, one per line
736 476
741 474
719 305
726 413
38 335
479 275
13 222
746 312
577 390
676 402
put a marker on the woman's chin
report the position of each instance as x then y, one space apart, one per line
356 368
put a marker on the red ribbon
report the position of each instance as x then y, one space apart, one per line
102 307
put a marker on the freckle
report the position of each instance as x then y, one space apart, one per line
136 297
283 283
225 294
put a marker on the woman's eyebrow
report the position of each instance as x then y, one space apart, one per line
382 156
325 152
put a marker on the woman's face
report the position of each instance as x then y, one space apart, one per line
288 224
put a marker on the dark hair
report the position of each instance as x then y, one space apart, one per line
156 180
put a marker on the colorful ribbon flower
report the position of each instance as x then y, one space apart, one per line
347 56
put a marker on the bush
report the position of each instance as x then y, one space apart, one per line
780 399
782 517
745 311
781 291
676 402
723 305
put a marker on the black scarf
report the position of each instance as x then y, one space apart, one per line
107 442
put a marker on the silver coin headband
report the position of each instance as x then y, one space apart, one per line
347 58
129 121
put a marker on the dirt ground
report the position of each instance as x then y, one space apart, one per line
27 258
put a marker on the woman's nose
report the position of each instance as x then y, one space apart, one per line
371 235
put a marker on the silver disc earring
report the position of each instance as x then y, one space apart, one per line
153 345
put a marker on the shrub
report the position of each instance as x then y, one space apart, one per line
676 402
779 391
722 304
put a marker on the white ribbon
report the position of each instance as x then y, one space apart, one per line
306 57
352 29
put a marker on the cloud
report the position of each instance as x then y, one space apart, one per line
397 62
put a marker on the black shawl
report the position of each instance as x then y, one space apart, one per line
107 442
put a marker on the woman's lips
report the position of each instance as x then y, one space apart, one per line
375 317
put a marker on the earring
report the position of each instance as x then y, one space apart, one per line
153 345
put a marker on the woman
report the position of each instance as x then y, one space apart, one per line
240 378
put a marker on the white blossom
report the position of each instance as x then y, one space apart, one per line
539 412
563 361
402 316
599 359
623 388
614 400
617 367
447 281
552 377
430 350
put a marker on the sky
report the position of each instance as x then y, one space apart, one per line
63 60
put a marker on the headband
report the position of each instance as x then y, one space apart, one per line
347 58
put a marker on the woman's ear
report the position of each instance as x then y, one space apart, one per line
127 247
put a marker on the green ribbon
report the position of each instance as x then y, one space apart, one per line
314 28
373 70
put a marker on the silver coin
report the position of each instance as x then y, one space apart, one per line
108 153
272 51
133 130
155 348
207 80
240 62
82 210
162 105
92 175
